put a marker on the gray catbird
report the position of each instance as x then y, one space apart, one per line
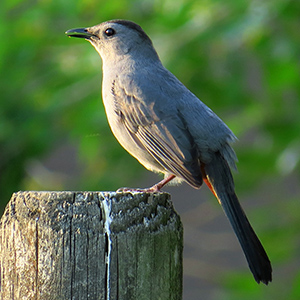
166 127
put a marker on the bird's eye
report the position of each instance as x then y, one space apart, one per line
109 32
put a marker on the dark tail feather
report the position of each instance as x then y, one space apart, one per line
219 180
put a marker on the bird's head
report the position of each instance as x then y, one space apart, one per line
117 39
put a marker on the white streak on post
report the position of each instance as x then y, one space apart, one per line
106 204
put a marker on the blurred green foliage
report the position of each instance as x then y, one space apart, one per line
240 57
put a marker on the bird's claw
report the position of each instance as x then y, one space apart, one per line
153 189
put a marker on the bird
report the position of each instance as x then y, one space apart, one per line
167 128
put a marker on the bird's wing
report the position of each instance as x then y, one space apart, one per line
163 135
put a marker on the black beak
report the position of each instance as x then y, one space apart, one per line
79 33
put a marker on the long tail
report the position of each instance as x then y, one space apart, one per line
217 176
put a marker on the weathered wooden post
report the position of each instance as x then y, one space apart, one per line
90 245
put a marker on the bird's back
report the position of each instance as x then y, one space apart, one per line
144 96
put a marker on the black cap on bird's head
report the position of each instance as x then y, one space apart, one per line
94 31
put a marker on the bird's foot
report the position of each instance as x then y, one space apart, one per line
153 189
156 188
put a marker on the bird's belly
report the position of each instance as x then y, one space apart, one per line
130 145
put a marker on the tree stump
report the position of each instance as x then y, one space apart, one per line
90 245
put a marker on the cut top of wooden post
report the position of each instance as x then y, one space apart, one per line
90 245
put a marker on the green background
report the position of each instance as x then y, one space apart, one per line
240 57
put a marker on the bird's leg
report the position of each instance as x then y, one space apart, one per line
157 187
153 189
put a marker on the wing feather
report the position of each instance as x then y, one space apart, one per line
166 139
